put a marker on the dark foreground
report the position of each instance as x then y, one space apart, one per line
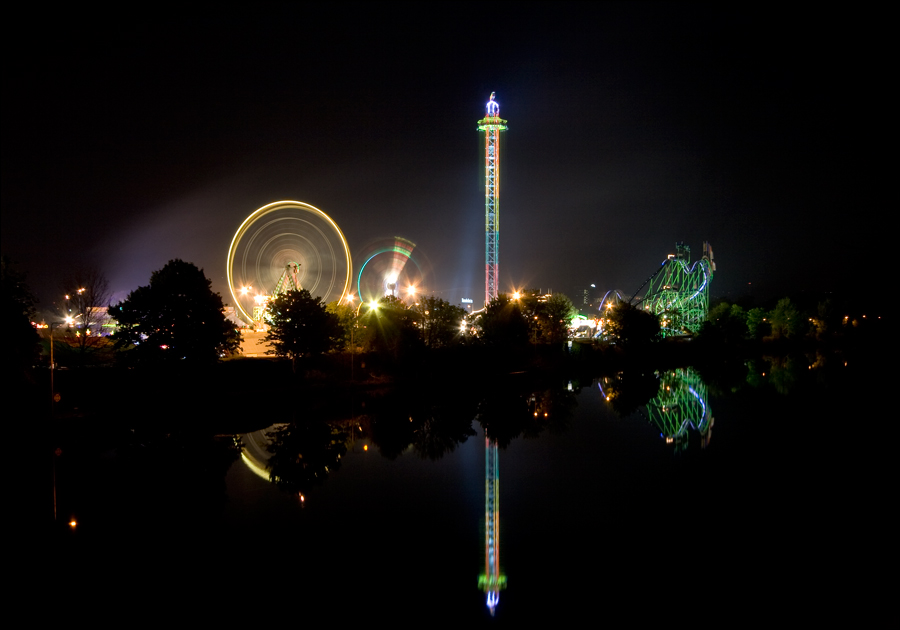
601 519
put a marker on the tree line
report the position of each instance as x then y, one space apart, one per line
731 323
178 317
301 325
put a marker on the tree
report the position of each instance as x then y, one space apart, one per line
176 316
631 326
300 325
557 314
786 320
346 316
502 323
391 327
548 320
757 323
438 321
21 347
87 296
725 323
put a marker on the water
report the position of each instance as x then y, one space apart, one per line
600 514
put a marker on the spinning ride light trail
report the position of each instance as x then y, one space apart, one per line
283 246
386 270
491 125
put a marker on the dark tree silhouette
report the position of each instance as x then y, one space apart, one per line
300 326
177 316
630 326
502 323
391 328
555 316
439 321
21 346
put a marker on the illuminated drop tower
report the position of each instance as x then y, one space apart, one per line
491 125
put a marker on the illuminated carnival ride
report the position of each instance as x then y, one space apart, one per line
388 267
677 292
285 246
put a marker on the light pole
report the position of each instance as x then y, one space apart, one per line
68 321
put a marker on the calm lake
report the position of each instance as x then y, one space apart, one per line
609 498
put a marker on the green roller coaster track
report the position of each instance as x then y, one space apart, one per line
678 292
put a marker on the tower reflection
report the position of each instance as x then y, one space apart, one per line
492 580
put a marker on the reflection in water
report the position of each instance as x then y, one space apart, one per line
674 401
304 454
492 580
255 451
681 403
783 373
295 456
629 390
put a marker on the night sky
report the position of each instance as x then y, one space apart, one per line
631 127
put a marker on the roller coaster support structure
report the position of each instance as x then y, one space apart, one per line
679 292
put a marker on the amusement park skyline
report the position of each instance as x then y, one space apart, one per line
630 128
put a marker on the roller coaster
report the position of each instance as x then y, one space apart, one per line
678 292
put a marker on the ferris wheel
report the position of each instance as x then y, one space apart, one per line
282 246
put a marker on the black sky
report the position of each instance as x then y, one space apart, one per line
631 127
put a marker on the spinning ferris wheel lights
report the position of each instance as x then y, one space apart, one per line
285 246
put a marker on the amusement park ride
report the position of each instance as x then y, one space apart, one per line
290 245
677 292
491 125
285 246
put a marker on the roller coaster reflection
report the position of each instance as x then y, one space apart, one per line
681 404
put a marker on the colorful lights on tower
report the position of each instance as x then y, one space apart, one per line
491 125
493 579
